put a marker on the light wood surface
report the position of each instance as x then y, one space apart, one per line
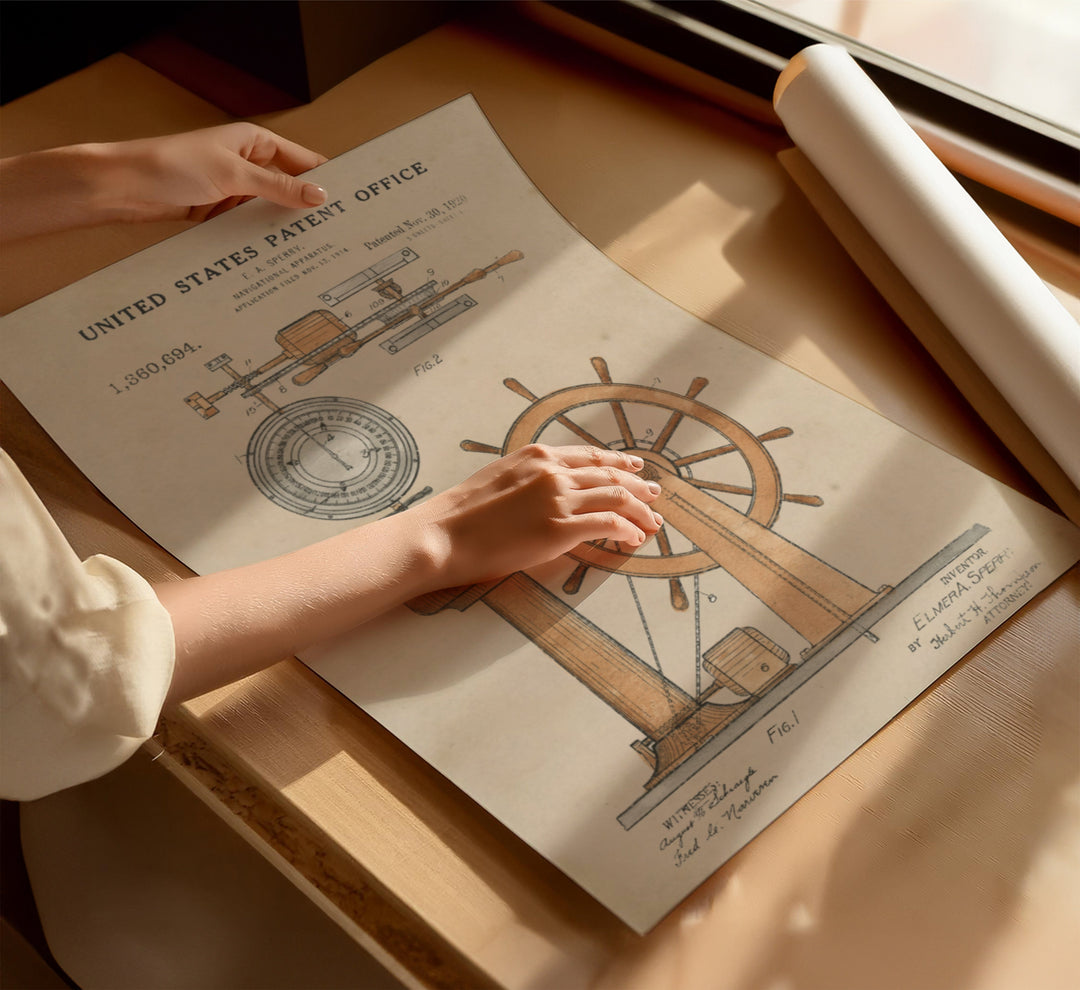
944 853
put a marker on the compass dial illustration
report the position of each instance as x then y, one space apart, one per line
329 457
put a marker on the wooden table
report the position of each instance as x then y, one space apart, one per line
944 853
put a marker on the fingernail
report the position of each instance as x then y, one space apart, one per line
312 194
635 461
654 487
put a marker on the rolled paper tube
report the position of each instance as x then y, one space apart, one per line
1026 343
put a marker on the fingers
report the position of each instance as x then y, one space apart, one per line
613 512
278 187
605 497
274 163
577 457
598 467
272 149
587 468
609 477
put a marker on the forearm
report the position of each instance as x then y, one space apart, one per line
46 191
231 624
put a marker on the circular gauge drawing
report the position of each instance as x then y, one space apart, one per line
332 458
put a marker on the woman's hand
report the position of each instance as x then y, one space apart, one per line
202 173
533 505
189 176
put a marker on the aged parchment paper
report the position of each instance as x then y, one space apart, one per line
270 378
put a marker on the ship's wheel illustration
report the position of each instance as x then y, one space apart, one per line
720 518
753 487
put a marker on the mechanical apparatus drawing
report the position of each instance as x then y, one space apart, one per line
335 457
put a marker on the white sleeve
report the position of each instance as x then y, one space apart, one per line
86 653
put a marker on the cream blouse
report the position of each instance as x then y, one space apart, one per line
86 653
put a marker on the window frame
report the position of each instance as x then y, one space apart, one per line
744 44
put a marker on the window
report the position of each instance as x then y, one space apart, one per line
745 43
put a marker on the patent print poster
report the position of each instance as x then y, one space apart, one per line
272 377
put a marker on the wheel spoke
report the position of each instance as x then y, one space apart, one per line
572 585
719 486
716 486
475 447
814 500
679 601
730 448
601 368
677 417
518 389
677 594
580 431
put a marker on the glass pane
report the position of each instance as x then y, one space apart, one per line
1022 53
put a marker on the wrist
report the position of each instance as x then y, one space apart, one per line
426 548
108 181
105 183
376 566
